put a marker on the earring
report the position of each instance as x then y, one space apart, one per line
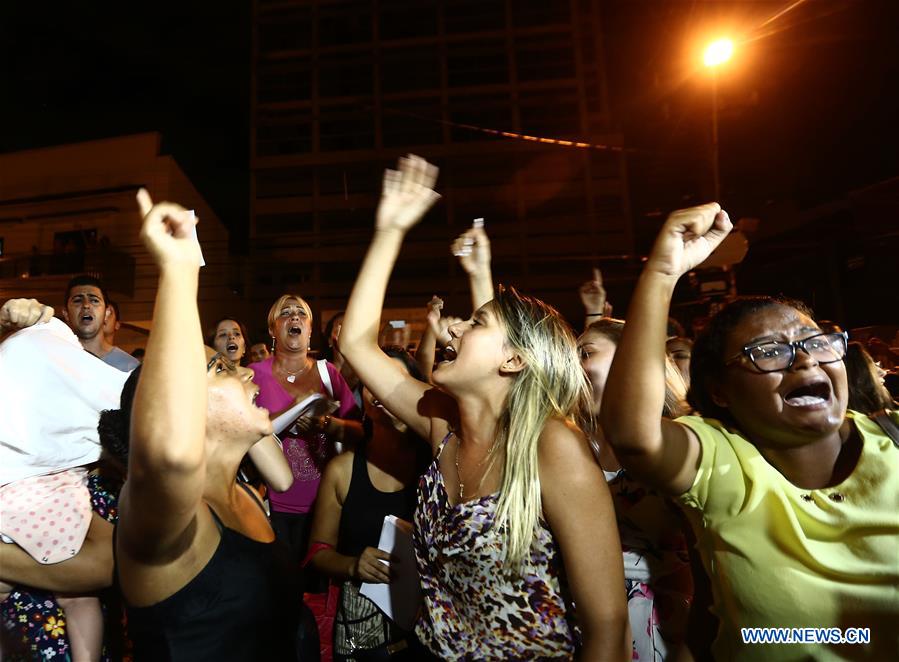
273 344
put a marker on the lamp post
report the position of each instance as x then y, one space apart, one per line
716 53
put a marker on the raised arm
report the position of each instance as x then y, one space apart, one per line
168 425
427 346
593 298
271 463
472 248
661 453
578 508
408 194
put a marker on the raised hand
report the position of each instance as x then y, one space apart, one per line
472 247
369 568
167 232
688 237
20 313
593 295
407 195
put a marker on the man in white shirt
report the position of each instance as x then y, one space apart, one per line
86 312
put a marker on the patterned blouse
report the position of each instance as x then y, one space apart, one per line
473 609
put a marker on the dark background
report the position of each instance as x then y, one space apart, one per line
808 106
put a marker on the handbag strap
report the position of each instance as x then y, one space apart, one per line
886 423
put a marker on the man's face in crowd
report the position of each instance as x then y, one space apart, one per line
85 311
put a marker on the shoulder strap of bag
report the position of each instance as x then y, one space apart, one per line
326 376
882 418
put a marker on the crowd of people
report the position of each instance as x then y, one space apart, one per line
619 493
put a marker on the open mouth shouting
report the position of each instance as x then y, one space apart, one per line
295 330
449 354
814 394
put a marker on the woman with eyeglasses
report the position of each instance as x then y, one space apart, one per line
793 498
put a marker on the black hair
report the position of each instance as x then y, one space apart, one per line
115 424
115 307
707 361
210 336
86 280
866 392
328 351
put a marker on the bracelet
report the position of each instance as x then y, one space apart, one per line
324 423
594 314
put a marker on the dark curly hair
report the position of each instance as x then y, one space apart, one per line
115 424
707 362
867 394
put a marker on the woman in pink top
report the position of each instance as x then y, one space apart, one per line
289 376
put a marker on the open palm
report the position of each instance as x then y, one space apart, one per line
408 194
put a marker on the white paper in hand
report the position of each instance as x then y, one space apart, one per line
401 598
315 405
193 232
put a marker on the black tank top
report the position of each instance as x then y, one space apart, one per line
243 605
365 507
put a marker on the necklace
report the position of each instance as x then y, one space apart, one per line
480 464
292 376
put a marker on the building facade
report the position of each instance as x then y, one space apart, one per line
71 209
340 89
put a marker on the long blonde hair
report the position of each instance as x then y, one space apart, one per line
551 385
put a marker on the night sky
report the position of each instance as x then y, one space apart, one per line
809 104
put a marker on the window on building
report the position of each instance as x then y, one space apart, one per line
285 182
401 19
345 74
284 223
415 122
474 16
489 111
346 128
341 23
480 62
410 69
286 31
550 114
356 178
544 57
281 132
529 13
289 80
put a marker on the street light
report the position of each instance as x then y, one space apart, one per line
716 53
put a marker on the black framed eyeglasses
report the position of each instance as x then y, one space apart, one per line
775 355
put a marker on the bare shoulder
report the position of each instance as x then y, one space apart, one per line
338 473
563 448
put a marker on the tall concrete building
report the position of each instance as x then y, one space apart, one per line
341 88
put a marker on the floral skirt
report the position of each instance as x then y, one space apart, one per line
33 623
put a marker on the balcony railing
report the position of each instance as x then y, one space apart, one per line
110 265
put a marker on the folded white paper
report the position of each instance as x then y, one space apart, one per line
401 598
315 405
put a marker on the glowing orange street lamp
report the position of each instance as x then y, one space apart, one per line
716 53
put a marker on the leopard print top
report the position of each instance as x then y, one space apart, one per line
473 608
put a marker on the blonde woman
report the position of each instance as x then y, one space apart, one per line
514 516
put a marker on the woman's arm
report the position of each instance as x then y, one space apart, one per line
407 195
326 525
269 460
578 508
593 298
472 248
427 346
166 464
89 570
657 451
